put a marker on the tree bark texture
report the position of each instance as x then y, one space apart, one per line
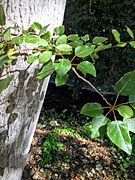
21 102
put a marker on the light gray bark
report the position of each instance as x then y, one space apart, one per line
21 102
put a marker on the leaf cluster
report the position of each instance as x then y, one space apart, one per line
99 17
61 53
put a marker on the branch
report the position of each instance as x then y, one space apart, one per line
89 83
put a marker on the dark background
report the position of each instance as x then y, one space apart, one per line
97 18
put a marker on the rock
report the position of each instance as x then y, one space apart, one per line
99 167
89 174
93 171
35 176
56 175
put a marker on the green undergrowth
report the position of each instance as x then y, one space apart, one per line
123 161
51 151
64 127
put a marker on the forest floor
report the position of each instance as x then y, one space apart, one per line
69 154
63 150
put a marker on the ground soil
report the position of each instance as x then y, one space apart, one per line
89 159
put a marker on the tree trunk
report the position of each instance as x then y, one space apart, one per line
21 102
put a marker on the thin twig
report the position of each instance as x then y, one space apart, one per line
122 104
119 94
108 112
116 100
95 89
73 58
114 116
106 107
60 54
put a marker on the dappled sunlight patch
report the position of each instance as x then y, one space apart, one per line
69 153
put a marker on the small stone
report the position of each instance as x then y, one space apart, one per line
93 171
104 173
56 175
89 174
85 161
99 167
42 170
35 176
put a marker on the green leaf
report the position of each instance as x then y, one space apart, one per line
11 58
116 35
85 37
43 30
132 100
31 39
3 60
125 111
87 68
102 47
130 32
61 80
4 83
17 40
73 37
61 40
2 49
76 43
121 44
2 16
64 53
1 45
25 32
126 85
46 70
36 40
62 66
130 123
132 44
84 51
47 36
41 42
94 56
64 47
7 34
97 122
99 39
45 56
36 25
59 30
118 133
31 59
92 109
86 129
